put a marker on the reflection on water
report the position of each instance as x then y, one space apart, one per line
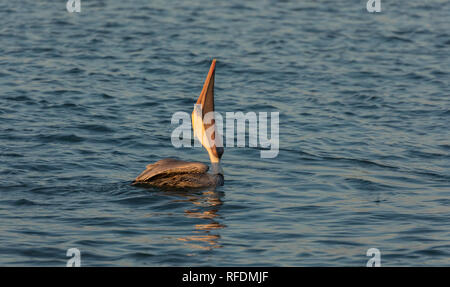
206 205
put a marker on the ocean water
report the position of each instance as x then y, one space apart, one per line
86 101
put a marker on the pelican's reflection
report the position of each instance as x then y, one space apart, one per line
206 205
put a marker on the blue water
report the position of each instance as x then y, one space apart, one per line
86 101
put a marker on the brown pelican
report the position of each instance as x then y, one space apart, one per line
182 174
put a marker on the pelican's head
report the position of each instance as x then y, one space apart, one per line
203 121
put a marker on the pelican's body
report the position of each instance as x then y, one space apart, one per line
182 174
177 173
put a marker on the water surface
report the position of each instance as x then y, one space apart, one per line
86 102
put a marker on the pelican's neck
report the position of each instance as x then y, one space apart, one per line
216 168
215 163
217 172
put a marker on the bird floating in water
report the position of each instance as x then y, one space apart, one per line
182 174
